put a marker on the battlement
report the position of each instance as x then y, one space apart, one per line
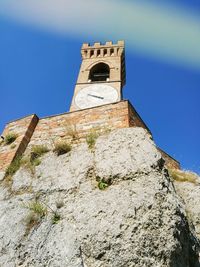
102 50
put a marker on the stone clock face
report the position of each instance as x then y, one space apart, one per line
96 95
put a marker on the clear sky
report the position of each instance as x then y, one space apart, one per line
40 45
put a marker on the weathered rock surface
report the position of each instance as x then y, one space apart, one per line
137 221
190 194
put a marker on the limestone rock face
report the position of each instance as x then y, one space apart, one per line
138 220
190 194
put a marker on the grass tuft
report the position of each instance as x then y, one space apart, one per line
38 151
71 131
37 208
13 167
37 212
30 164
91 139
183 176
62 148
10 138
13 146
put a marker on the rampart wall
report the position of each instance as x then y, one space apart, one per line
69 126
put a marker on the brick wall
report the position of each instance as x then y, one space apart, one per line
135 120
24 129
108 117
47 131
169 161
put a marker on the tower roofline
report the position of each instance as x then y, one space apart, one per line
120 43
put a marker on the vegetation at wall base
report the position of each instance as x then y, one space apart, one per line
71 131
183 176
10 138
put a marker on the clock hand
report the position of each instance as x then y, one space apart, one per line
100 97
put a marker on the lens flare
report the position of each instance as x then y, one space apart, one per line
168 33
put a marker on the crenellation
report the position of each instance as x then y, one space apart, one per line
120 43
85 45
109 43
97 44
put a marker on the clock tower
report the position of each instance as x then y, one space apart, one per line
102 75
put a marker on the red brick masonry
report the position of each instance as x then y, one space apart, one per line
24 129
32 131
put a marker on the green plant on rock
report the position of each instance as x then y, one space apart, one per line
38 151
13 167
37 208
36 162
56 217
102 185
30 164
91 139
25 162
10 138
37 212
62 148
13 146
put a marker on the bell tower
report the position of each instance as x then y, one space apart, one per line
102 75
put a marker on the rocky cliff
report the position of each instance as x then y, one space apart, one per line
58 215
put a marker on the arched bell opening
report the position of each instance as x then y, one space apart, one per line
99 73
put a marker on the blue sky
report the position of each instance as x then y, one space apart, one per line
40 59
